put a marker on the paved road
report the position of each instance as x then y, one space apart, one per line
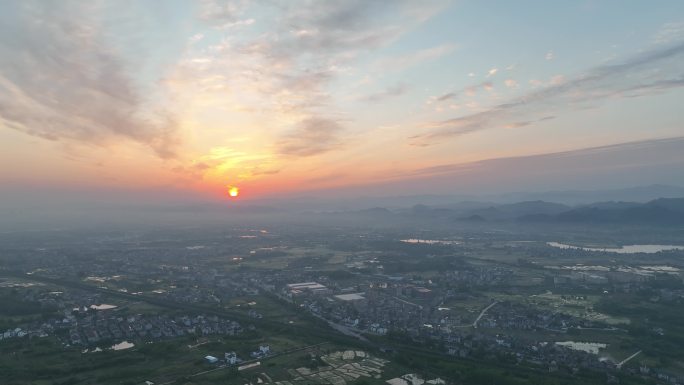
619 365
224 366
345 330
482 313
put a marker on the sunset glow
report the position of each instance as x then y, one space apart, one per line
233 192
299 182
362 96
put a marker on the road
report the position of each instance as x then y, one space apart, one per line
482 313
222 367
619 365
346 330
350 332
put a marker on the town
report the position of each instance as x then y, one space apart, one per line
534 305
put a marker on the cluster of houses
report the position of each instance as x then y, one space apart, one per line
231 358
106 326
549 356
409 307
372 303
16 333
93 329
262 351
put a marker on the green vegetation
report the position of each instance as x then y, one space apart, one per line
15 310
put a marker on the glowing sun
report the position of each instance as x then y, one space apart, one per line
233 191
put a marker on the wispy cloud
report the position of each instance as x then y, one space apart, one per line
387 93
223 163
511 83
224 14
405 61
644 74
609 164
285 71
670 33
312 136
61 81
471 90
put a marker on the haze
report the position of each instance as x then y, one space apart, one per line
341 192
331 99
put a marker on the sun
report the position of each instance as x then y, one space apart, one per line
233 191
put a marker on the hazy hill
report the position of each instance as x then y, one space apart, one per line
515 210
663 211
575 197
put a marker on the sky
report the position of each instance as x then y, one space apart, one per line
178 99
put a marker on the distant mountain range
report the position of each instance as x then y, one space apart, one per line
636 205
640 194
661 211
575 197
516 210
658 211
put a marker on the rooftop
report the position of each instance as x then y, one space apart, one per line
350 297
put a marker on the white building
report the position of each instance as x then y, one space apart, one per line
211 359
307 287
231 358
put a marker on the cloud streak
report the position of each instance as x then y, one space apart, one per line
651 152
312 136
388 93
61 81
647 73
405 61
286 71
467 91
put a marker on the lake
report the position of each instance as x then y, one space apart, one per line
627 249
